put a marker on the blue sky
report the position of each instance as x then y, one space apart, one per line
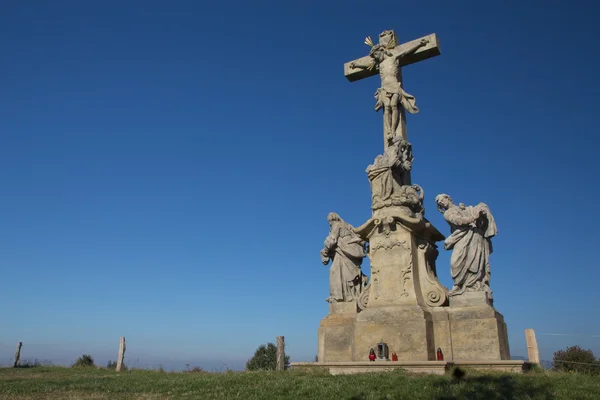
166 168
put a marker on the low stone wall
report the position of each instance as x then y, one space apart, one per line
422 367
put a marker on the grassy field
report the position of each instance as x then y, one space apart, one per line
91 383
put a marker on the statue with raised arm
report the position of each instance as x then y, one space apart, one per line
390 96
472 228
346 251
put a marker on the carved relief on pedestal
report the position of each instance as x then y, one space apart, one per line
363 299
402 252
406 278
390 253
384 227
434 293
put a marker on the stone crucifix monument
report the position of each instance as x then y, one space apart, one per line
402 303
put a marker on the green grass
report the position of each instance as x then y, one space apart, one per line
92 383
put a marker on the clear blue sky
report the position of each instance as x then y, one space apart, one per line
166 168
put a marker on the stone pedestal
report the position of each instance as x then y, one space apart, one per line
478 331
471 299
442 337
336 333
402 289
406 307
419 367
407 330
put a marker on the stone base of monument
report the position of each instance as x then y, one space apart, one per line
469 329
419 367
336 333
407 330
408 309
478 331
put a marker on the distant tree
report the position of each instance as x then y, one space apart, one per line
575 359
265 358
84 361
29 364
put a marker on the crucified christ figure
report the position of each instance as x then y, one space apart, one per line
390 96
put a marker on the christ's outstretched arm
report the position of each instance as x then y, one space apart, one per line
413 48
354 65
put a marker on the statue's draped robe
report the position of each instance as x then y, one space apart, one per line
471 245
347 252
407 101
384 175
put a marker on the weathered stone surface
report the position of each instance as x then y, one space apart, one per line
358 367
403 287
513 366
392 264
425 367
407 330
532 347
385 173
336 337
404 304
389 176
346 307
431 292
478 333
336 332
402 253
388 58
431 49
441 332
472 229
346 251
471 299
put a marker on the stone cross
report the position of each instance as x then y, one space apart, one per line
387 59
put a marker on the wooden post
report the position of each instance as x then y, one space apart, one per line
18 354
532 346
280 353
121 353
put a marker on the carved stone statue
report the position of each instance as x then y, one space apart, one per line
390 96
472 228
346 252
390 182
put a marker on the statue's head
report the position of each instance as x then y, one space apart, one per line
377 52
332 217
388 39
443 202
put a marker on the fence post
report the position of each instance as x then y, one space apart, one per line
18 354
280 353
532 347
121 353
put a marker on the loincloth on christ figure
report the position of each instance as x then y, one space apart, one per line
407 101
